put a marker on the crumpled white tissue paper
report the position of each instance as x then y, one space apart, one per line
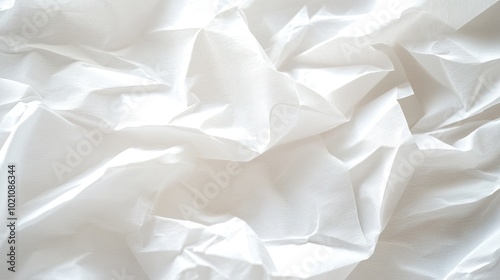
250 139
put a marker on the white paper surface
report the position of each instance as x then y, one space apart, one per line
283 139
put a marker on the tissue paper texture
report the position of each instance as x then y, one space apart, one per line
259 140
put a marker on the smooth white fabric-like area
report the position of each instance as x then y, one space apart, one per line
250 139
